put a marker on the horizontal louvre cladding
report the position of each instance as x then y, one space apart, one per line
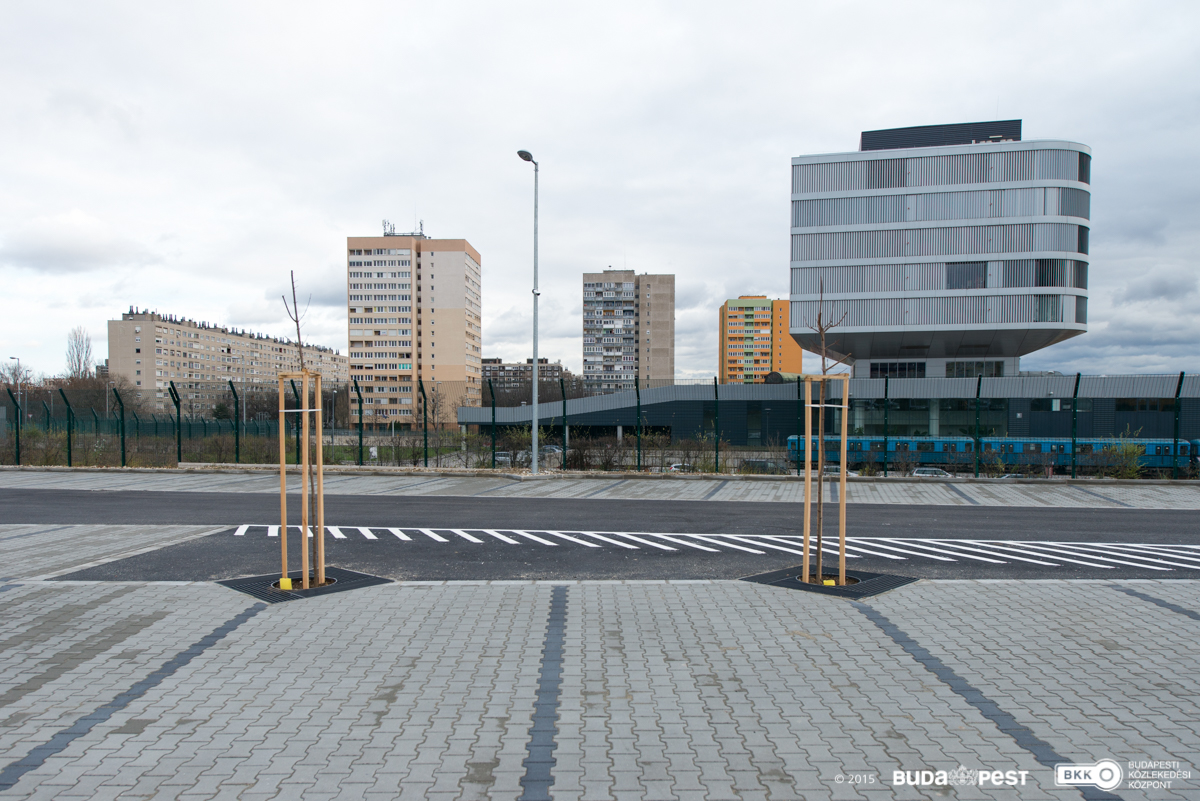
963 168
978 204
961 310
1011 274
956 241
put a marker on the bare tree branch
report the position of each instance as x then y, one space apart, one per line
296 315
79 353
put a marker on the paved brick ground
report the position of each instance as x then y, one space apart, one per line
1089 494
669 690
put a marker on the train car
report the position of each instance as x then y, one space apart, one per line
1015 452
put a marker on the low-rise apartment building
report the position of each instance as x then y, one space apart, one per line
150 350
508 375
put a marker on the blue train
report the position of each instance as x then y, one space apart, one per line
1014 451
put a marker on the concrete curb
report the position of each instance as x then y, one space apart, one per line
522 475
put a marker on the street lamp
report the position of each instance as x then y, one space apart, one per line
527 156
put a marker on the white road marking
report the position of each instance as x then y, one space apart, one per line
572 539
465 535
602 538
951 553
432 536
762 544
1058 556
1105 555
500 536
533 537
649 543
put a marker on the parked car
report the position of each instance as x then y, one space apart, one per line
835 470
930 472
504 459
763 467
681 467
547 449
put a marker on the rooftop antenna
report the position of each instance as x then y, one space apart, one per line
388 229
422 228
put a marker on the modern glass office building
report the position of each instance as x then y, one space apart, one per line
943 250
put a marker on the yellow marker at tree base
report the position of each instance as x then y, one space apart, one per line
285 584
829 582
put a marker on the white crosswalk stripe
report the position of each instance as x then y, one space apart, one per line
1158 557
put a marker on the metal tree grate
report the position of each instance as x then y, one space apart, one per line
868 584
262 587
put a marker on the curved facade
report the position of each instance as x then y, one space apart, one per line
942 261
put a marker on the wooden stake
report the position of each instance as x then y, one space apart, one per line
807 470
320 486
304 531
282 482
842 485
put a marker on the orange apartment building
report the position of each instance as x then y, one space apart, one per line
755 340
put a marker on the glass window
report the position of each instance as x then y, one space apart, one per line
966 275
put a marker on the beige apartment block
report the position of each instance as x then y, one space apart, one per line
415 308
150 350
628 329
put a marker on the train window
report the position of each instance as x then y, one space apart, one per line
876 446
924 446
987 447
901 446
1183 449
1085 447
968 447
1034 447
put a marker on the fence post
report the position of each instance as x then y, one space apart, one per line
887 405
17 427
637 389
978 441
492 391
121 405
1075 425
425 418
137 425
95 420
70 422
1175 447
47 408
716 428
237 434
358 392
178 424
300 405
562 388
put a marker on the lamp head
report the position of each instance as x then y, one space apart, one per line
525 154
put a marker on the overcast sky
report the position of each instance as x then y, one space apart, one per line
184 157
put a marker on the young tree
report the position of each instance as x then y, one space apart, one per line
822 325
79 353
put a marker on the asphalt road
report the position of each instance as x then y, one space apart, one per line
419 557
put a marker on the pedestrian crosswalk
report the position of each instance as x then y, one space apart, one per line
1043 553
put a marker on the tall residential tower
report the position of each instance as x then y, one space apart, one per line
943 250
414 310
628 329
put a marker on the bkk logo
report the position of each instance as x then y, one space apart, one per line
960 777
1105 775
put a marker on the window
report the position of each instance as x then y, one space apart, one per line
1085 168
1145 404
897 369
966 275
973 369
1081 309
1083 239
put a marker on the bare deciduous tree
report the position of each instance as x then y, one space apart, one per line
822 326
79 353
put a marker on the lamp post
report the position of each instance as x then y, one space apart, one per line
527 156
